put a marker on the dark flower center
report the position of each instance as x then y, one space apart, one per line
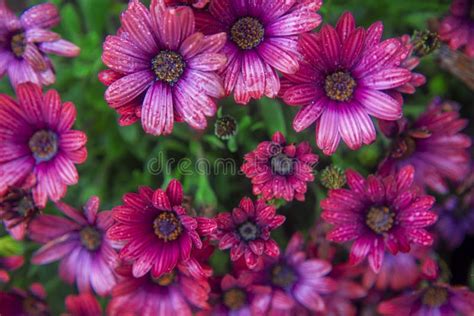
44 145
380 219
18 44
235 298
435 296
17 202
249 231
34 307
339 86
425 42
247 33
403 148
91 238
168 66
283 275
166 279
225 127
282 165
167 226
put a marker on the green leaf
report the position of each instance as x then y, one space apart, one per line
10 247
273 117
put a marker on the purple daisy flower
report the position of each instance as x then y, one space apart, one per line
432 144
173 293
280 170
436 299
161 70
343 81
295 283
378 213
38 142
87 257
261 38
457 29
456 213
156 232
26 41
246 231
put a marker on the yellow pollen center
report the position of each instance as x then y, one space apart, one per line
91 238
339 86
168 66
18 44
166 279
380 219
234 298
44 145
247 33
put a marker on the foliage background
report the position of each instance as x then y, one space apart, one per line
119 156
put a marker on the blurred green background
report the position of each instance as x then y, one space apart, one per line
119 156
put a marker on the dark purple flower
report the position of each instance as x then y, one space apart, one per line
343 81
378 213
436 299
246 231
432 144
457 29
18 302
161 70
280 170
38 144
173 293
156 232
25 42
261 38
293 283
79 242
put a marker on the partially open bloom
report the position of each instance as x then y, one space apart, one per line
456 213
82 305
9 263
17 209
25 42
38 142
436 299
24 302
378 213
457 29
261 38
155 230
280 170
173 293
246 231
343 81
161 70
410 62
294 282
87 257
432 144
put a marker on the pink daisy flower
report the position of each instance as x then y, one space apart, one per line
280 170
436 299
261 38
9 263
457 29
378 213
410 62
343 81
246 231
173 293
156 232
79 242
20 302
161 71
37 141
295 283
82 305
433 144
26 41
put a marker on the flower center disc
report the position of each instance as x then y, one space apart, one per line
18 44
283 276
166 279
44 145
91 238
380 219
234 298
249 231
167 226
403 148
339 86
282 165
435 296
168 66
247 33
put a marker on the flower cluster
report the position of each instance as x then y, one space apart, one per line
154 254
